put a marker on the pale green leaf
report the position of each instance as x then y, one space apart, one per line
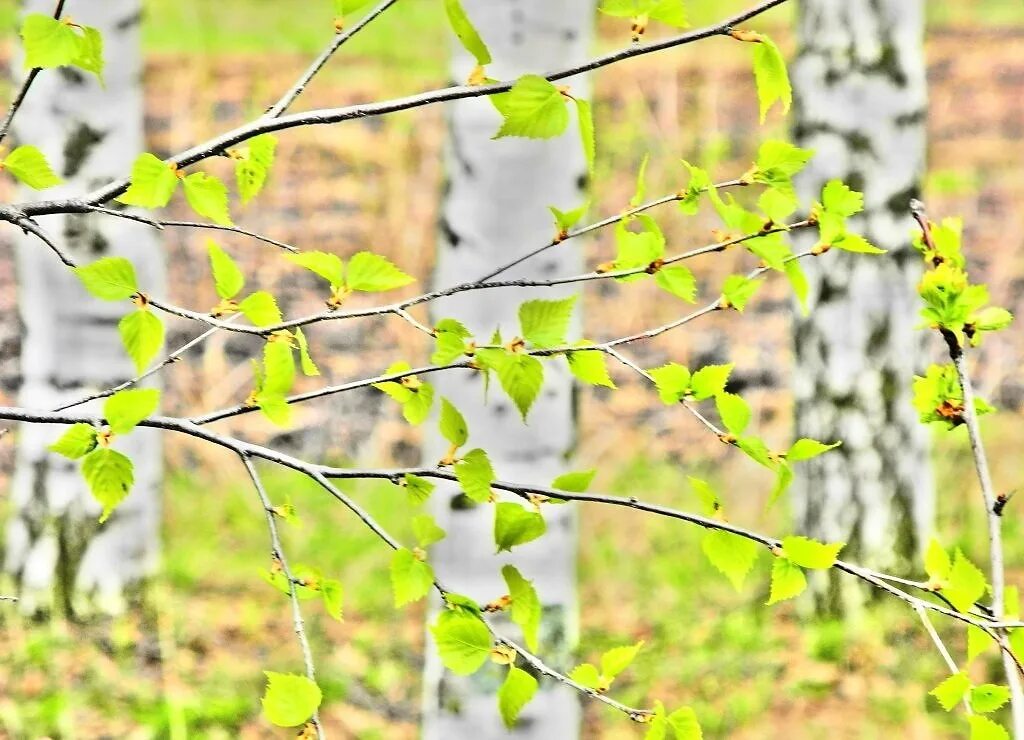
109 278
516 525
289 700
463 641
29 165
545 323
153 183
109 475
326 265
77 441
788 580
526 607
411 578
514 694
533 108
142 335
372 273
731 554
208 197
125 409
227 278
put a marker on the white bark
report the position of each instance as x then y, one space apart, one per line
496 209
56 552
859 82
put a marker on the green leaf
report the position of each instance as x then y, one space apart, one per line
29 165
805 449
992 318
526 608
289 700
590 367
344 7
575 482
419 489
153 183
798 281
731 554
466 32
521 376
326 265
978 641
587 675
142 335
261 309
738 290
475 475
839 199
966 583
982 728
777 205
641 185
545 323
565 220
416 408
77 441
516 525
463 641
810 553
411 578
253 167
90 51
227 278
637 249
734 411
453 425
856 243
778 161
618 659
771 77
677 280
109 475
372 273
757 450
989 697
451 336
332 593
426 530
710 381
952 690
585 116
672 381
275 407
683 723
48 42
533 108
309 368
278 368
788 580
208 197
514 694
783 480
125 409
707 495
109 278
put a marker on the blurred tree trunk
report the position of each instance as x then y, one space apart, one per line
859 83
60 558
494 209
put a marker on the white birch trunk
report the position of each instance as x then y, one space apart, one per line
60 558
495 209
859 82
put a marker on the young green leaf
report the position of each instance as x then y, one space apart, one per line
585 117
952 690
677 280
805 449
289 700
227 278
737 291
208 197
966 583
709 498
533 108
575 482
521 376
109 475
253 166
771 77
48 41
840 200
261 309
516 525
587 675
978 641
514 694
526 608
417 407
982 728
589 367
109 278
734 411
463 641
426 530
798 281
326 265
125 409
989 697
857 244
809 553
466 32
450 336
142 335
278 368
453 425
411 578
372 273
672 381
545 323
734 556
78 441
565 220
475 475
419 489
618 659
309 368
710 381
788 580
29 165
333 595
153 182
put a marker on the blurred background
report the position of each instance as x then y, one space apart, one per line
192 658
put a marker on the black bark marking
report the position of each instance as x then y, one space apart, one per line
78 146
